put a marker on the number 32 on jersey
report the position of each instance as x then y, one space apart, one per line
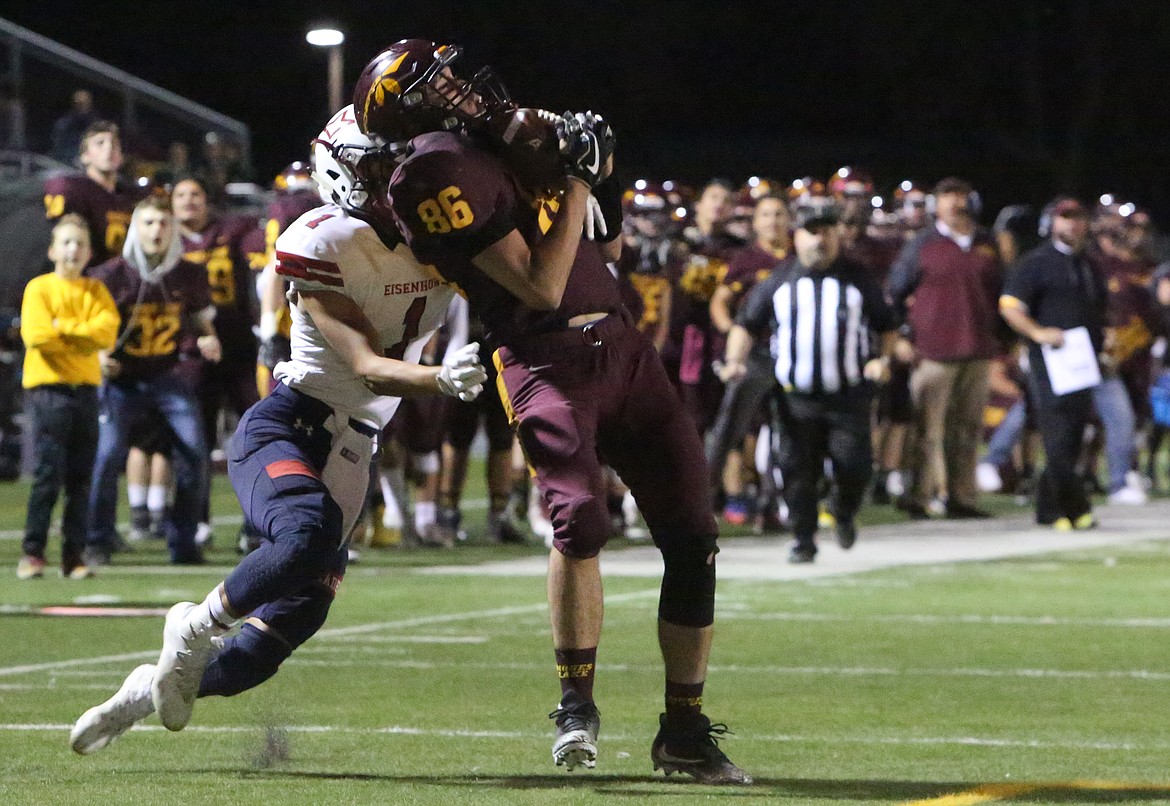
446 212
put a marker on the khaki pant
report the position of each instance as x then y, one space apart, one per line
949 398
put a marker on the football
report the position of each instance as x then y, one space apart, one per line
527 141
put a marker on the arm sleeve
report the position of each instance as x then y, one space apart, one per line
878 312
200 298
904 273
757 315
36 323
457 325
99 329
56 198
1021 283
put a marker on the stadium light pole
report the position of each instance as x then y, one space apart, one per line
330 38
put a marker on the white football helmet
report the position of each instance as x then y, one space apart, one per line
349 166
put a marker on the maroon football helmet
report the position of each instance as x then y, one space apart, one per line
850 182
295 176
409 89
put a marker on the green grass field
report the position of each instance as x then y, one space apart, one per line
1043 680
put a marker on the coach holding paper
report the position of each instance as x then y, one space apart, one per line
1052 289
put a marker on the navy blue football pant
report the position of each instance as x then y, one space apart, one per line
300 472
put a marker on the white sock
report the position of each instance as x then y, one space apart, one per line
392 515
210 615
137 495
156 497
424 515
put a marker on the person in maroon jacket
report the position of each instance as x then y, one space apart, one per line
161 298
581 384
99 195
951 276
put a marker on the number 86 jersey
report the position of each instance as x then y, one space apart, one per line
405 302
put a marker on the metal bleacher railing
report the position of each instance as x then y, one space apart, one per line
25 47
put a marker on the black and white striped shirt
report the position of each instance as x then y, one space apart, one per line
821 324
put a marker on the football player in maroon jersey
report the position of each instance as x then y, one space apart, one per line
99 195
216 242
581 384
296 194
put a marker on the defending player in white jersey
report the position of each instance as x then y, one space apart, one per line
300 458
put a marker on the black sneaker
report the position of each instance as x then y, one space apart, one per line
139 524
802 553
846 533
578 721
694 750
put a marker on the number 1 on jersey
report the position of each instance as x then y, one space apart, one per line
410 322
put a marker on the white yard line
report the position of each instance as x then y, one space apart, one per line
401 730
304 657
329 632
958 618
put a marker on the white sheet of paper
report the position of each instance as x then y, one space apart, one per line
1072 367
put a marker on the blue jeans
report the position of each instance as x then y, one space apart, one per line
1116 413
122 404
999 447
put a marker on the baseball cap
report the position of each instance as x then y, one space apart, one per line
817 210
1069 207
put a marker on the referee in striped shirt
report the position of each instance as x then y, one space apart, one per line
823 315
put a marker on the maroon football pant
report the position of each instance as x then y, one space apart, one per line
583 397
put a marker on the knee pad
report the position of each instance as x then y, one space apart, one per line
687 598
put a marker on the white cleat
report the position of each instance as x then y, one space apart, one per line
103 723
185 653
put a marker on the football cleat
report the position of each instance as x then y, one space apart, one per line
501 528
103 723
30 567
78 572
578 722
185 653
694 750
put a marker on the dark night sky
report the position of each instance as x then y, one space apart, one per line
1022 97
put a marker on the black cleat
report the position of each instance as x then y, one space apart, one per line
578 721
694 750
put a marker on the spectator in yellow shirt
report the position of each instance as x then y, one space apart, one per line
65 321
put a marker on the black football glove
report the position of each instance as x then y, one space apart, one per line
586 143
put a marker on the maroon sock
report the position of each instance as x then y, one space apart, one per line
575 668
684 701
